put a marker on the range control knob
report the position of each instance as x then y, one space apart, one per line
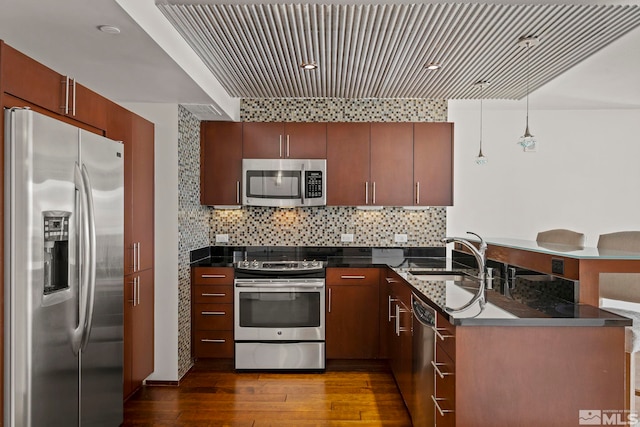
255 264
315 263
305 264
245 264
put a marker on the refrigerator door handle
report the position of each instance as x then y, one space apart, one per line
91 291
83 258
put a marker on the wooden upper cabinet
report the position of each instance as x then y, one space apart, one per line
391 164
274 140
305 140
27 79
137 134
143 189
347 164
221 163
37 84
433 163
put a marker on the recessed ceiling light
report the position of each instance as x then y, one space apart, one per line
109 29
433 66
311 65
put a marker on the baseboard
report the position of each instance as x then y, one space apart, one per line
154 383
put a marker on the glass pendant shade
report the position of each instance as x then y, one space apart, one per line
527 140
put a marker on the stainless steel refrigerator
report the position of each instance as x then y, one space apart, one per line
63 284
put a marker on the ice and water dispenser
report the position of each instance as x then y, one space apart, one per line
56 251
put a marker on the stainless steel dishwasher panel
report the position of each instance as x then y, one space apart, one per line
421 409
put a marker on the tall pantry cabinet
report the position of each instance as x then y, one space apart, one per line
25 82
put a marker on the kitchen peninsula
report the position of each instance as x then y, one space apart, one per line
530 355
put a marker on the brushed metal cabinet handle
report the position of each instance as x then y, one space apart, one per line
73 109
280 146
418 193
330 300
442 411
288 152
204 294
213 276
65 107
436 367
366 192
238 192
439 335
213 341
213 313
353 277
373 201
391 301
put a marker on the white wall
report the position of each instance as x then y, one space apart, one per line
585 175
165 118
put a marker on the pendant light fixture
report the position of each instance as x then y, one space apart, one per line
527 141
481 159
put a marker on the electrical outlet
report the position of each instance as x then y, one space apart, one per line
400 238
222 238
347 237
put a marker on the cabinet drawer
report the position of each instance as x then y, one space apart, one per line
444 392
213 344
445 336
353 276
213 276
213 317
207 294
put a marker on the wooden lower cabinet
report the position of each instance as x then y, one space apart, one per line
138 329
352 315
500 376
212 312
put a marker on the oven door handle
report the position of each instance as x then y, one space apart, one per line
280 285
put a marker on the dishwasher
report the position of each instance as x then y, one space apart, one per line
424 317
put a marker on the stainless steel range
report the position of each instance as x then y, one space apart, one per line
279 320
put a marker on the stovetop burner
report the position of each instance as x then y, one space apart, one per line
281 265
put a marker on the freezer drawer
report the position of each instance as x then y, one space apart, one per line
278 355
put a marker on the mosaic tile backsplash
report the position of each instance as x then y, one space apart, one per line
193 226
343 110
323 226
251 226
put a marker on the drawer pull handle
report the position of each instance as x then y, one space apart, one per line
391 280
213 276
213 341
213 295
438 371
353 277
213 313
442 411
439 335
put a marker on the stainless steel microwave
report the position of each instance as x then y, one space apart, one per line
284 182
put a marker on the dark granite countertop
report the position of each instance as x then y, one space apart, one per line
506 306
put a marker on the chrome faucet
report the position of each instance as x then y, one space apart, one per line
479 254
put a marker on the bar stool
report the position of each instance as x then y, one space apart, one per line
561 236
620 293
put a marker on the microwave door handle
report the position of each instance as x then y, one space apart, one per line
302 184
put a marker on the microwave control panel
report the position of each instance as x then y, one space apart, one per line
313 181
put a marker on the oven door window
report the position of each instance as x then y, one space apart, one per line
274 184
279 309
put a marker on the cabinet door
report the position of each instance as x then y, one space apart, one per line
142 321
352 313
27 79
305 140
433 163
352 322
89 108
119 128
262 140
220 163
142 190
347 164
392 164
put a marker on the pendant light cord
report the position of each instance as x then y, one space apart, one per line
528 48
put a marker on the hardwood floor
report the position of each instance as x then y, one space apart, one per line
345 395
